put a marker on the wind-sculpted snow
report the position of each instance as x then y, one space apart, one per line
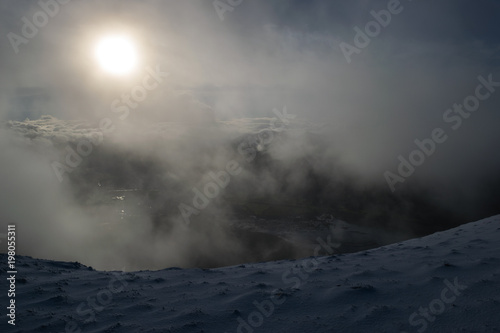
449 277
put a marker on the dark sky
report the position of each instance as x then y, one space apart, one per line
267 54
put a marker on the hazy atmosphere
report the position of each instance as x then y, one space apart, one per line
142 135
250 166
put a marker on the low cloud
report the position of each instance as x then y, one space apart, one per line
224 79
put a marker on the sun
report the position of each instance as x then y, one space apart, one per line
116 54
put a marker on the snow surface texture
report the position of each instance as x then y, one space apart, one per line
455 273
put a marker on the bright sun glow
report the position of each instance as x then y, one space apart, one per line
116 55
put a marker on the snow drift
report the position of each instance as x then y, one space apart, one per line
445 282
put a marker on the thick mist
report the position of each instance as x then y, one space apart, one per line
216 92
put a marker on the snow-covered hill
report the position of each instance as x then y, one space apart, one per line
445 282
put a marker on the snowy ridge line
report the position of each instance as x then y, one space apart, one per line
378 290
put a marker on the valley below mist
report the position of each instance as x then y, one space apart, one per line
179 194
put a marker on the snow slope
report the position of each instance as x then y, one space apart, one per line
456 273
